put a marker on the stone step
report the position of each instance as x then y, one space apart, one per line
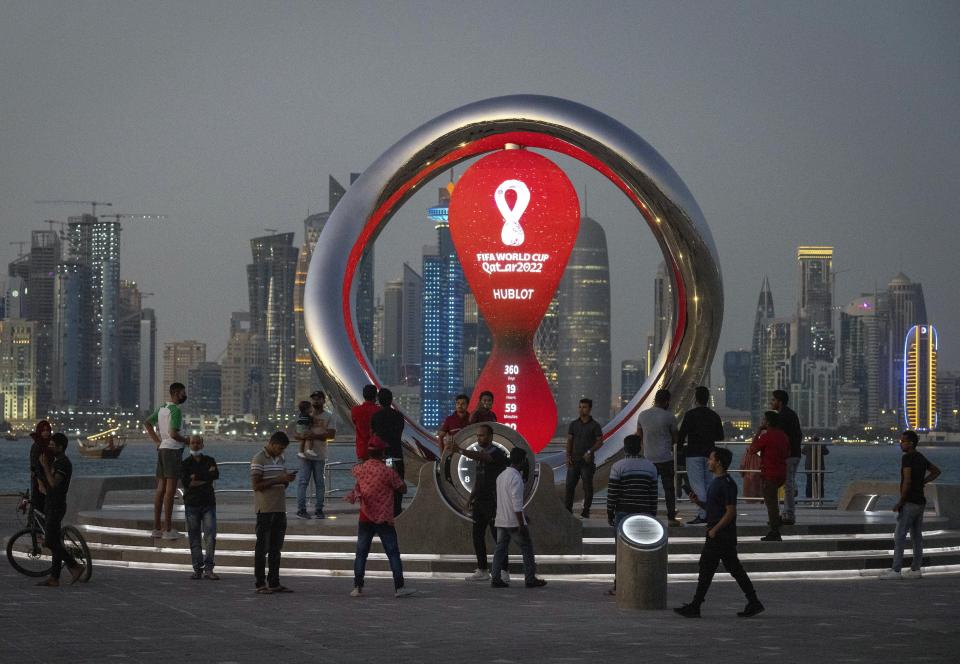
310 554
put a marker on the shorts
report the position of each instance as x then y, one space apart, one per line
168 463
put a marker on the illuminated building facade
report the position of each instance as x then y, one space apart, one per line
920 378
18 359
584 330
631 380
815 340
270 279
758 349
444 288
907 307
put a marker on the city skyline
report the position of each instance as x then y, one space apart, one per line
780 145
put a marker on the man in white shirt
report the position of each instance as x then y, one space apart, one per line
163 426
657 428
511 523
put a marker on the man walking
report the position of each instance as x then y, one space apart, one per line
770 443
700 430
197 475
56 475
790 424
915 472
632 487
375 488
270 479
657 428
388 424
720 506
163 427
361 415
512 523
584 438
490 462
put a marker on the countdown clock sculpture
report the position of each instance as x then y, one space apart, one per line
513 219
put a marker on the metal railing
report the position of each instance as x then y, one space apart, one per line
330 470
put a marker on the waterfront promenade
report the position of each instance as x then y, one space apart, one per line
158 616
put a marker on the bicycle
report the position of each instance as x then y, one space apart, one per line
26 550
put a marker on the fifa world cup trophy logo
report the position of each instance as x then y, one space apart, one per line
514 217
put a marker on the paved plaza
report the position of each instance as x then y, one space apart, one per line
161 616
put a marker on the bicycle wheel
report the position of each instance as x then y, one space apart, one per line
77 546
26 554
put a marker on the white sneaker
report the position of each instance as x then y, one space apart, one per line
301 455
311 454
171 535
911 574
505 576
404 592
156 534
479 575
890 574
356 592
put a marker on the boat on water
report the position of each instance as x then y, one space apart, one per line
103 445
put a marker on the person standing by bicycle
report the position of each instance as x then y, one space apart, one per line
40 448
57 475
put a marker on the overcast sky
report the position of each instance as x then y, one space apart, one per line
791 123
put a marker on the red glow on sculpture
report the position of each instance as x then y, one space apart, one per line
514 217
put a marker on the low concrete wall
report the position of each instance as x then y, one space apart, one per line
861 495
430 525
88 493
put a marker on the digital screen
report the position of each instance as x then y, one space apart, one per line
514 217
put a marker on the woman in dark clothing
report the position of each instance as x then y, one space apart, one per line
41 447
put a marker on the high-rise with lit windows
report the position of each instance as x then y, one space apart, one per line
920 378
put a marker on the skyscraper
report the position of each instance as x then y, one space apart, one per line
203 386
920 378
37 271
546 345
862 362
736 376
18 370
401 335
270 279
179 357
241 380
444 288
128 347
72 364
631 379
584 332
758 350
148 360
906 308
815 338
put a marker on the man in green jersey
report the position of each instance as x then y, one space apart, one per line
163 427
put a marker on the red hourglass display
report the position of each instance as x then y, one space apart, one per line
514 217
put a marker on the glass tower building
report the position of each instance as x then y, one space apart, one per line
920 378
444 288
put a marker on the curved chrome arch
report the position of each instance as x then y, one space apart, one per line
621 155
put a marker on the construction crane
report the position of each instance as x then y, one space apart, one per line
62 224
272 231
92 204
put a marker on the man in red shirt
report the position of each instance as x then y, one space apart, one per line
773 446
361 415
455 421
375 488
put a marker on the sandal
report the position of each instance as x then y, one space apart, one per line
263 590
280 589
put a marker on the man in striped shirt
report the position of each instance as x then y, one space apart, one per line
270 478
632 487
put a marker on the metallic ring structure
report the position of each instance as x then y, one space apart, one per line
549 123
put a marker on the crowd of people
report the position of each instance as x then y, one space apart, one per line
496 499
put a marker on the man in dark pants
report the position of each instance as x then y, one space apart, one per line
197 475
790 424
491 461
657 428
721 545
387 424
57 477
269 476
584 438
700 430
